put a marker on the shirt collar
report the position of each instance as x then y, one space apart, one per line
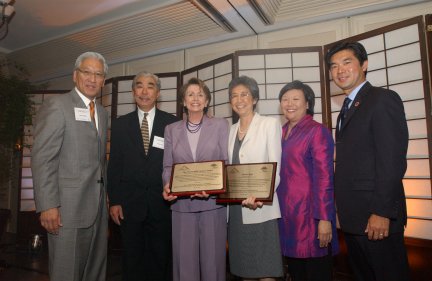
85 99
302 121
151 113
354 92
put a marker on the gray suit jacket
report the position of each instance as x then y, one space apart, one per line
212 145
68 160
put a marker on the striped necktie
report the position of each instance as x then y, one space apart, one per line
145 133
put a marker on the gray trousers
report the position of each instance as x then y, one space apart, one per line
80 254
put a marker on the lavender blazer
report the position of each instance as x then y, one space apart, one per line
212 145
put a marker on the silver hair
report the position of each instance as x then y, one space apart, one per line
146 74
94 55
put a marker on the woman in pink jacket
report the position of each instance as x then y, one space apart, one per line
308 225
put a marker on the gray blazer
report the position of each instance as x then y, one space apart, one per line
212 145
68 160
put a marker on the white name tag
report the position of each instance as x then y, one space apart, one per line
158 142
82 114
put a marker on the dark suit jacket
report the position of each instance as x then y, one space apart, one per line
134 178
371 152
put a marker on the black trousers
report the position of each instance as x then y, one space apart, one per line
310 269
379 260
147 250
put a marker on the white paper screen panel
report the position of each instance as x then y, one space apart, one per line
418 148
167 100
274 69
125 99
419 208
405 90
417 168
418 228
415 109
417 188
405 72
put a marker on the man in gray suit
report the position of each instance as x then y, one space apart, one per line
68 168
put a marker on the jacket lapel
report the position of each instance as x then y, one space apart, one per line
79 103
252 128
135 130
355 104
183 140
206 129
157 129
101 120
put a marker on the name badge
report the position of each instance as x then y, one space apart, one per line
82 114
158 142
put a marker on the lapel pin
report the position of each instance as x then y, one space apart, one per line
357 104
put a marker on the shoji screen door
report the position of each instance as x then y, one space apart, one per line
273 68
397 61
216 74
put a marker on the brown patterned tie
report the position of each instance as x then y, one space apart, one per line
92 112
145 133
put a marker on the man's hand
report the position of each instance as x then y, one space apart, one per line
50 220
377 227
116 213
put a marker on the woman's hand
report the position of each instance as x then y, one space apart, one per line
166 194
324 233
203 194
251 203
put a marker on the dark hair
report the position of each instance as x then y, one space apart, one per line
249 83
307 92
357 48
203 87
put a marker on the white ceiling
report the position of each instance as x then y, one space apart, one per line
128 29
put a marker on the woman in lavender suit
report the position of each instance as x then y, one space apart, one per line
198 223
308 225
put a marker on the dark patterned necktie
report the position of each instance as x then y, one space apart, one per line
344 110
145 133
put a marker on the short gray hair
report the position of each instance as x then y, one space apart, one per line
249 83
146 74
94 55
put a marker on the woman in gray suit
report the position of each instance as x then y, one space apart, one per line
198 223
253 235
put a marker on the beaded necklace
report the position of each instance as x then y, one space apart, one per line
192 127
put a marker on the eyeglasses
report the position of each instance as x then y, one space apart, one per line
90 74
241 95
